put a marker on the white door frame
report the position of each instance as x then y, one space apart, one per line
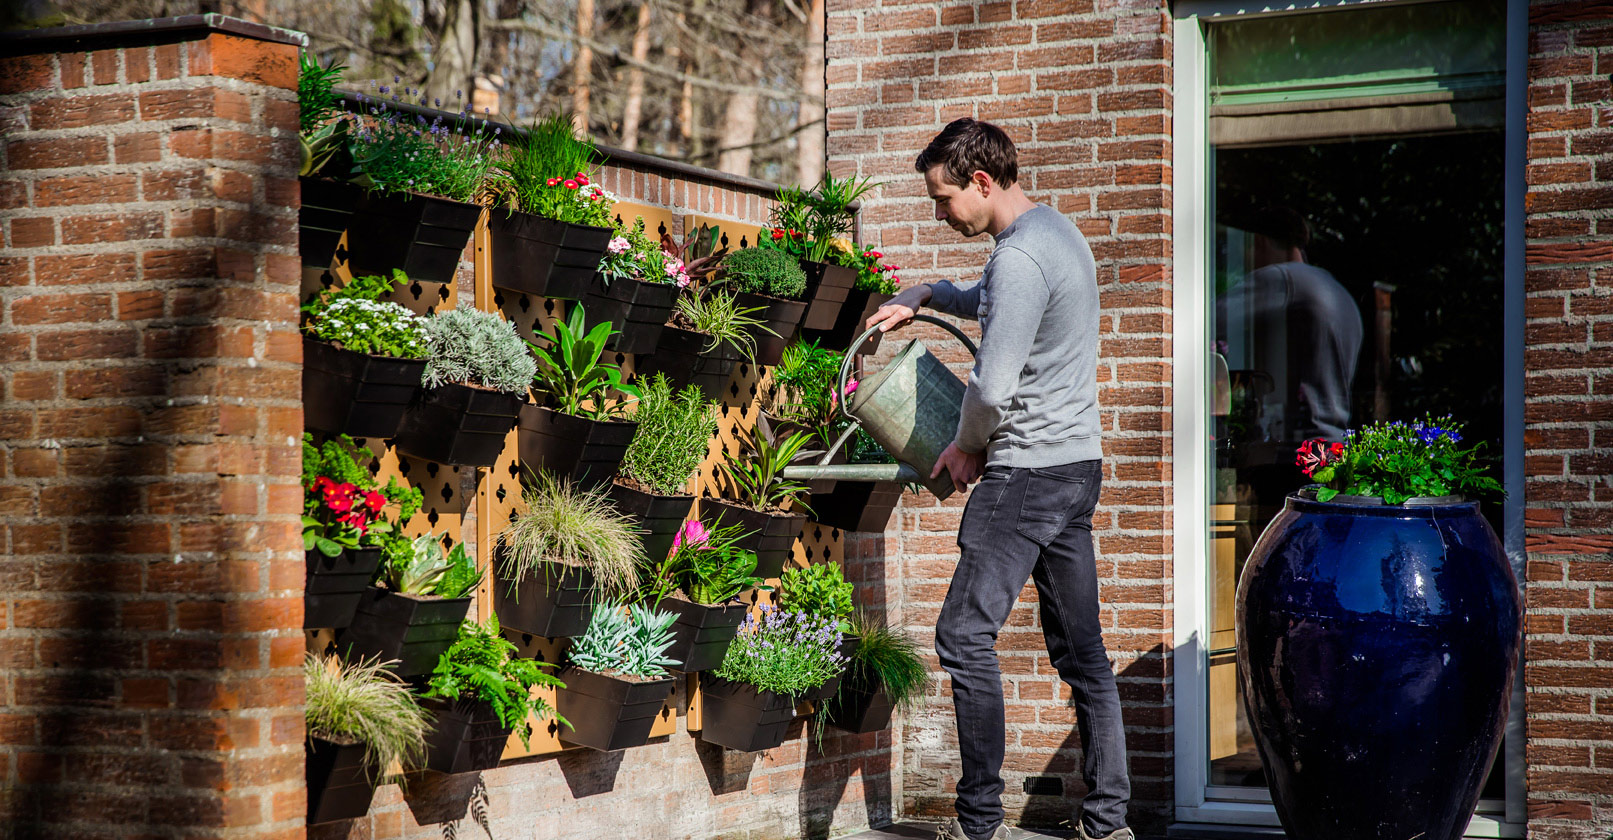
1197 801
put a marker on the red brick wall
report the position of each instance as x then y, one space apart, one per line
1568 672
149 592
1083 87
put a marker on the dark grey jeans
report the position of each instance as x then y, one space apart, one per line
1019 524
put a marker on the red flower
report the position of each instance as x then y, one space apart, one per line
375 500
570 184
794 232
323 484
778 233
582 179
553 181
875 254
1317 453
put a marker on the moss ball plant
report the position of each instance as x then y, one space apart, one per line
764 271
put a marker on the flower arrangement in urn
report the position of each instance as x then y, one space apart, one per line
1398 461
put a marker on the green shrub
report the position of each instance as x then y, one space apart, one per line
363 702
629 642
472 347
483 665
818 590
572 527
763 271
782 651
674 432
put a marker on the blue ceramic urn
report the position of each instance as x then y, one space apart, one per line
1376 645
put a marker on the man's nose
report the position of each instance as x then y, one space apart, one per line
940 215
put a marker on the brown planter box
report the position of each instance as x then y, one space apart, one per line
459 425
540 256
859 307
777 314
609 713
335 585
414 630
467 736
858 505
339 785
827 289
586 451
702 633
637 309
681 358
421 234
658 517
327 208
741 717
345 392
552 602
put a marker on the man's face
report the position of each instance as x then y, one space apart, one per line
965 208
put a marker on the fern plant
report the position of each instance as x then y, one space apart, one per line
483 665
363 702
421 568
819 589
571 371
472 347
674 431
628 642
757 475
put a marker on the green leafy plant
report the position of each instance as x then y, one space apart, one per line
863 449
718 315
483 665
805 378
705 564
394 151
805 224
763 271
355 318
472 347
818 589
363 702
1398 461
634 255
420 567
572 370
548 172
674 432
887 658
756 476
321 138
784 652
626 641
342 503
568 526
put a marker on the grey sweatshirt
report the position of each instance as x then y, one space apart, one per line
1032 399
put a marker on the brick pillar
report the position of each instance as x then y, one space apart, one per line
1568 674
150 607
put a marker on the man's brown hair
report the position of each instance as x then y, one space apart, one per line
966 145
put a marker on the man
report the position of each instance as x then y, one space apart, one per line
1029 434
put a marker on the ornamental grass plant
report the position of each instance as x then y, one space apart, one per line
718 315
364 703
887 658
472 347
626 642
675 430
783 652
568 526
548 171
483 665
1398 461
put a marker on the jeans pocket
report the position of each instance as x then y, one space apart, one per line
1051 495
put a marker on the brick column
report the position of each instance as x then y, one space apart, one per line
1569 497
150 607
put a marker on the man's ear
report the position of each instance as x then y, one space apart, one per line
982 182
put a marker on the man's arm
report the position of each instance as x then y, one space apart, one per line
945 296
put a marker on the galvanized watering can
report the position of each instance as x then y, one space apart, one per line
910 407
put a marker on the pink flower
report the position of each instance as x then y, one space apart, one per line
552 181
582 179
1317 453
570 184
693 532
619 245
851 387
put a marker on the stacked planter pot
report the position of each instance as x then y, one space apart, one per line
702 632
335 585
327 208
553 601
682 358
459 425
657 517
585 451
859 307
828 287
412 629
741 717
860 707
781 316
609 713
422 235
356 394
771 535
857 505
637 309
339 784
539 256
467 736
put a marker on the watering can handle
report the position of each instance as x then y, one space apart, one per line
851 358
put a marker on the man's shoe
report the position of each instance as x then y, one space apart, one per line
1117 834
953 830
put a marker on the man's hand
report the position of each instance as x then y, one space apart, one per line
964 467
900 309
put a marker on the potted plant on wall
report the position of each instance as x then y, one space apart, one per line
554 222
1382 571
568 550
875 285
700 581
362 359
771 282
361 719
821 590
778 656
328 199
636 287
415 612
763 497
808 226
884 674
583 433
674 433
343 526
617 681
709 333
803 399
422 179
480 692
859 505
476 378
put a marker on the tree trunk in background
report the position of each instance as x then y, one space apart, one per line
582 68
809 141
739 115
635 80
455 59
